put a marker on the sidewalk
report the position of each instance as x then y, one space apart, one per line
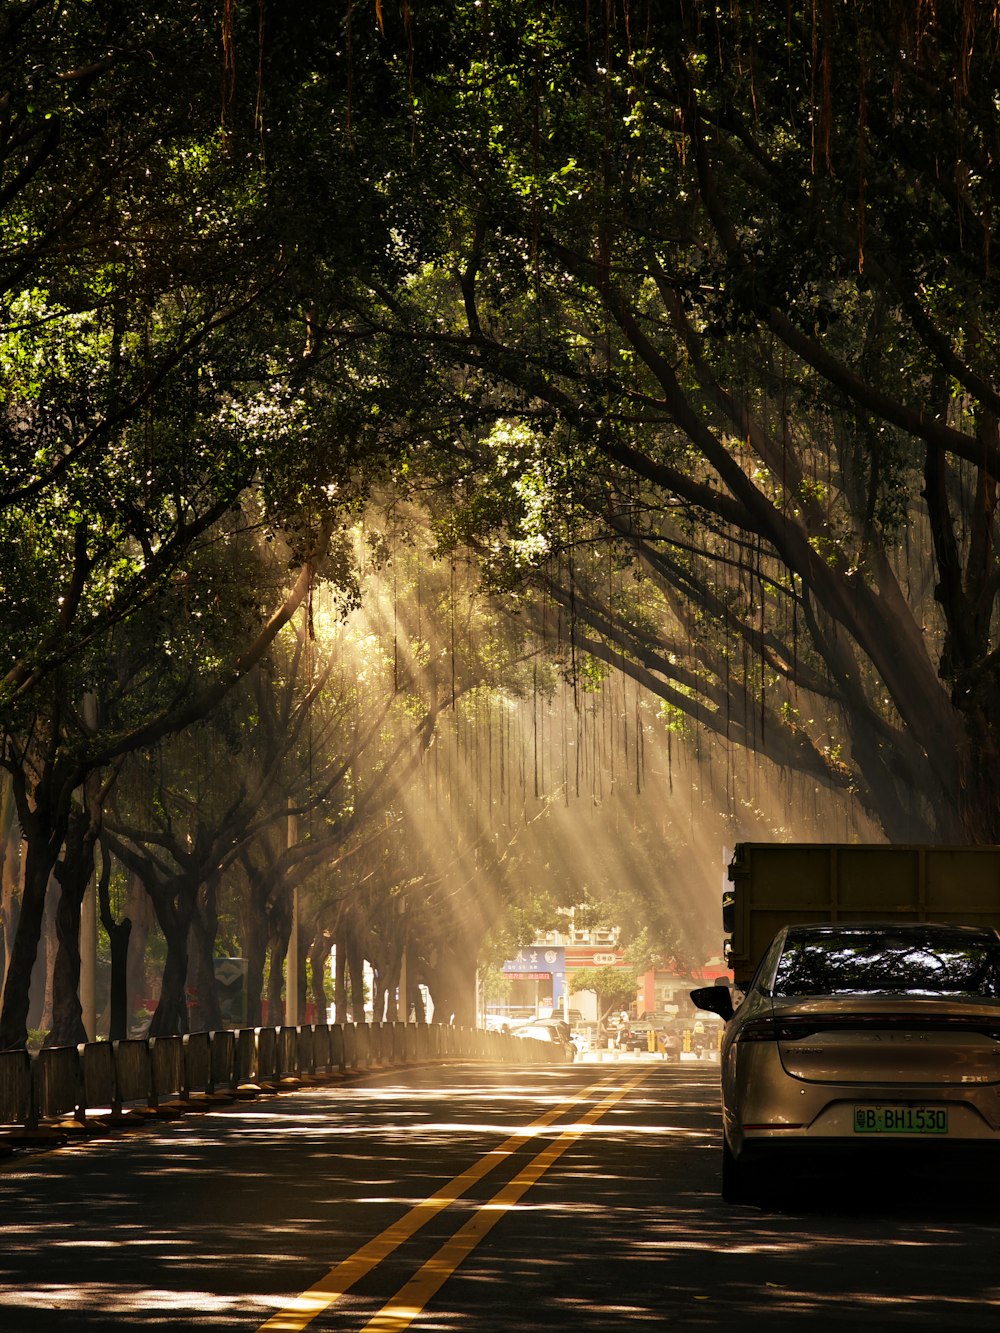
632 1057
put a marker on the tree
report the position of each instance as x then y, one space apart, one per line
420 868
672 264
158 262
615 987
331 730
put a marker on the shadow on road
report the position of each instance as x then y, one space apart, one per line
910 1187
219 1221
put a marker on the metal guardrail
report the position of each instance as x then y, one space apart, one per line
197 1064
166 1063
132 1075
266 1071
109 1079
16 1087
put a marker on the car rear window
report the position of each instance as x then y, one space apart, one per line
856 962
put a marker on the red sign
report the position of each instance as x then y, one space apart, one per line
594 955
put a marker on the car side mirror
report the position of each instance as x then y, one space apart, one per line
716 999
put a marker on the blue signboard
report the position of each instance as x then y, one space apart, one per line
537 958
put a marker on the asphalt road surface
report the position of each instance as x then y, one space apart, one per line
470 1197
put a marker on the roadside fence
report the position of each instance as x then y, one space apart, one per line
63 1090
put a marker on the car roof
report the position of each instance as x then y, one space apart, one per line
930 930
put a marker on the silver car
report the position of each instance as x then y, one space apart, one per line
866 1037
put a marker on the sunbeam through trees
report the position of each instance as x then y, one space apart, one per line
471 461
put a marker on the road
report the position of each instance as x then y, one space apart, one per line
582 1197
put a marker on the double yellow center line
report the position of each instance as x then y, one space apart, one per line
407 1304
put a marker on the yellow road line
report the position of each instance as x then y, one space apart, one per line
304 1308
410 1300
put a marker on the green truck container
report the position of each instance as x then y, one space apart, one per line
783 884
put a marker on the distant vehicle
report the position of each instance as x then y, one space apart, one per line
637 1036
860 1039
510 1014
548 1031
562 1031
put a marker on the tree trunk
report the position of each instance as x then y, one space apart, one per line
118 1019
255 948
17 990
49 951
356 973
67 1027
301 986
118 937
10 873
392 975
275 982
280 930
8 912
39 1007
140 912
204 929
319 956
340 978
452 985
171 1016
254 928
981 761
73 872
174 903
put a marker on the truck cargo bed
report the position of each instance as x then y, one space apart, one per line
781 884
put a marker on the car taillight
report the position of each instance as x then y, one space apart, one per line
794 1026
759 1029
775 1029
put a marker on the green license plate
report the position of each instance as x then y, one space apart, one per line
900 1120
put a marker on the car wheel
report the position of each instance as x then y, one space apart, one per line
739 1181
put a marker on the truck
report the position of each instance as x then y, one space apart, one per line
850 1044
784 884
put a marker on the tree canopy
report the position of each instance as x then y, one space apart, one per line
679 320
716 284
